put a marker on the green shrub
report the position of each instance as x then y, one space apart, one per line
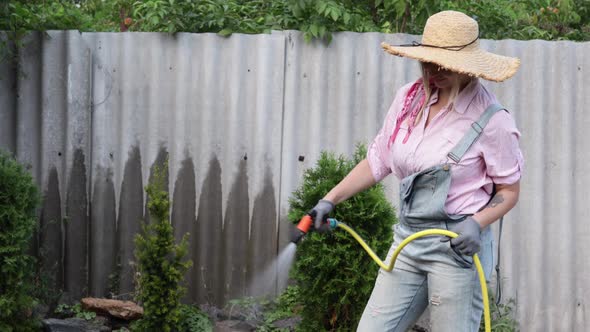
65 311
317 19
161 264
19 199
283 307
334 274
502 316
264 312
193 320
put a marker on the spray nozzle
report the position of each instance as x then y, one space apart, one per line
306 224
303 227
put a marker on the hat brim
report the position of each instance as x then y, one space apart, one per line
475 62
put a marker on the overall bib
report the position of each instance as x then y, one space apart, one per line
427 270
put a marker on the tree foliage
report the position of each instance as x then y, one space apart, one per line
499 19
334 274
19 198
162 264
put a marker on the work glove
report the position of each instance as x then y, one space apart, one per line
468 242
320 213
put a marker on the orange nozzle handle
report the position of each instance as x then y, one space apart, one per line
305 223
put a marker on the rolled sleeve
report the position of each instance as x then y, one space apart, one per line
501 151
376 157
378 153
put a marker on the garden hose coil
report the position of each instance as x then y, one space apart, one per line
482 280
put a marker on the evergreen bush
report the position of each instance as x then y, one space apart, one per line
194 320
161 264
335 276
19 198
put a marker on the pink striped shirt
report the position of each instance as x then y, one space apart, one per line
494 158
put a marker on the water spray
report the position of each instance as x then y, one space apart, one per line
304 226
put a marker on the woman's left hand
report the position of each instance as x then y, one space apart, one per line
468 242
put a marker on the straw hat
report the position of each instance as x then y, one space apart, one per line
451 40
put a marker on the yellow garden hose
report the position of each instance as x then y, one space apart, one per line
482 279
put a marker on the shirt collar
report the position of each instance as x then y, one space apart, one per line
463 99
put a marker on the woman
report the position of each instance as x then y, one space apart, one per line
456 153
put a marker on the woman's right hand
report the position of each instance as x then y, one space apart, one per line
320 213
359 179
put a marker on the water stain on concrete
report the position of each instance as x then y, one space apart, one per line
262 247
50 235
235 236
184 220
102 232
130 218
76 229
207 231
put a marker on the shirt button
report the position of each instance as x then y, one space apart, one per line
445 167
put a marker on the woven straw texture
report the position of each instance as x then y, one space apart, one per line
455 29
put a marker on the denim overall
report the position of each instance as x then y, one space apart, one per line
427 270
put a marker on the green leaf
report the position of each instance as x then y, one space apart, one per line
335 14
321 6
346 18
314 29
155 20
388 4
225 32
297 11
400 8
322 31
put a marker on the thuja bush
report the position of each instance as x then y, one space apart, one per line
19 199
502 316
161 265
334 274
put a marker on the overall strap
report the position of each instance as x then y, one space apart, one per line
473 133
